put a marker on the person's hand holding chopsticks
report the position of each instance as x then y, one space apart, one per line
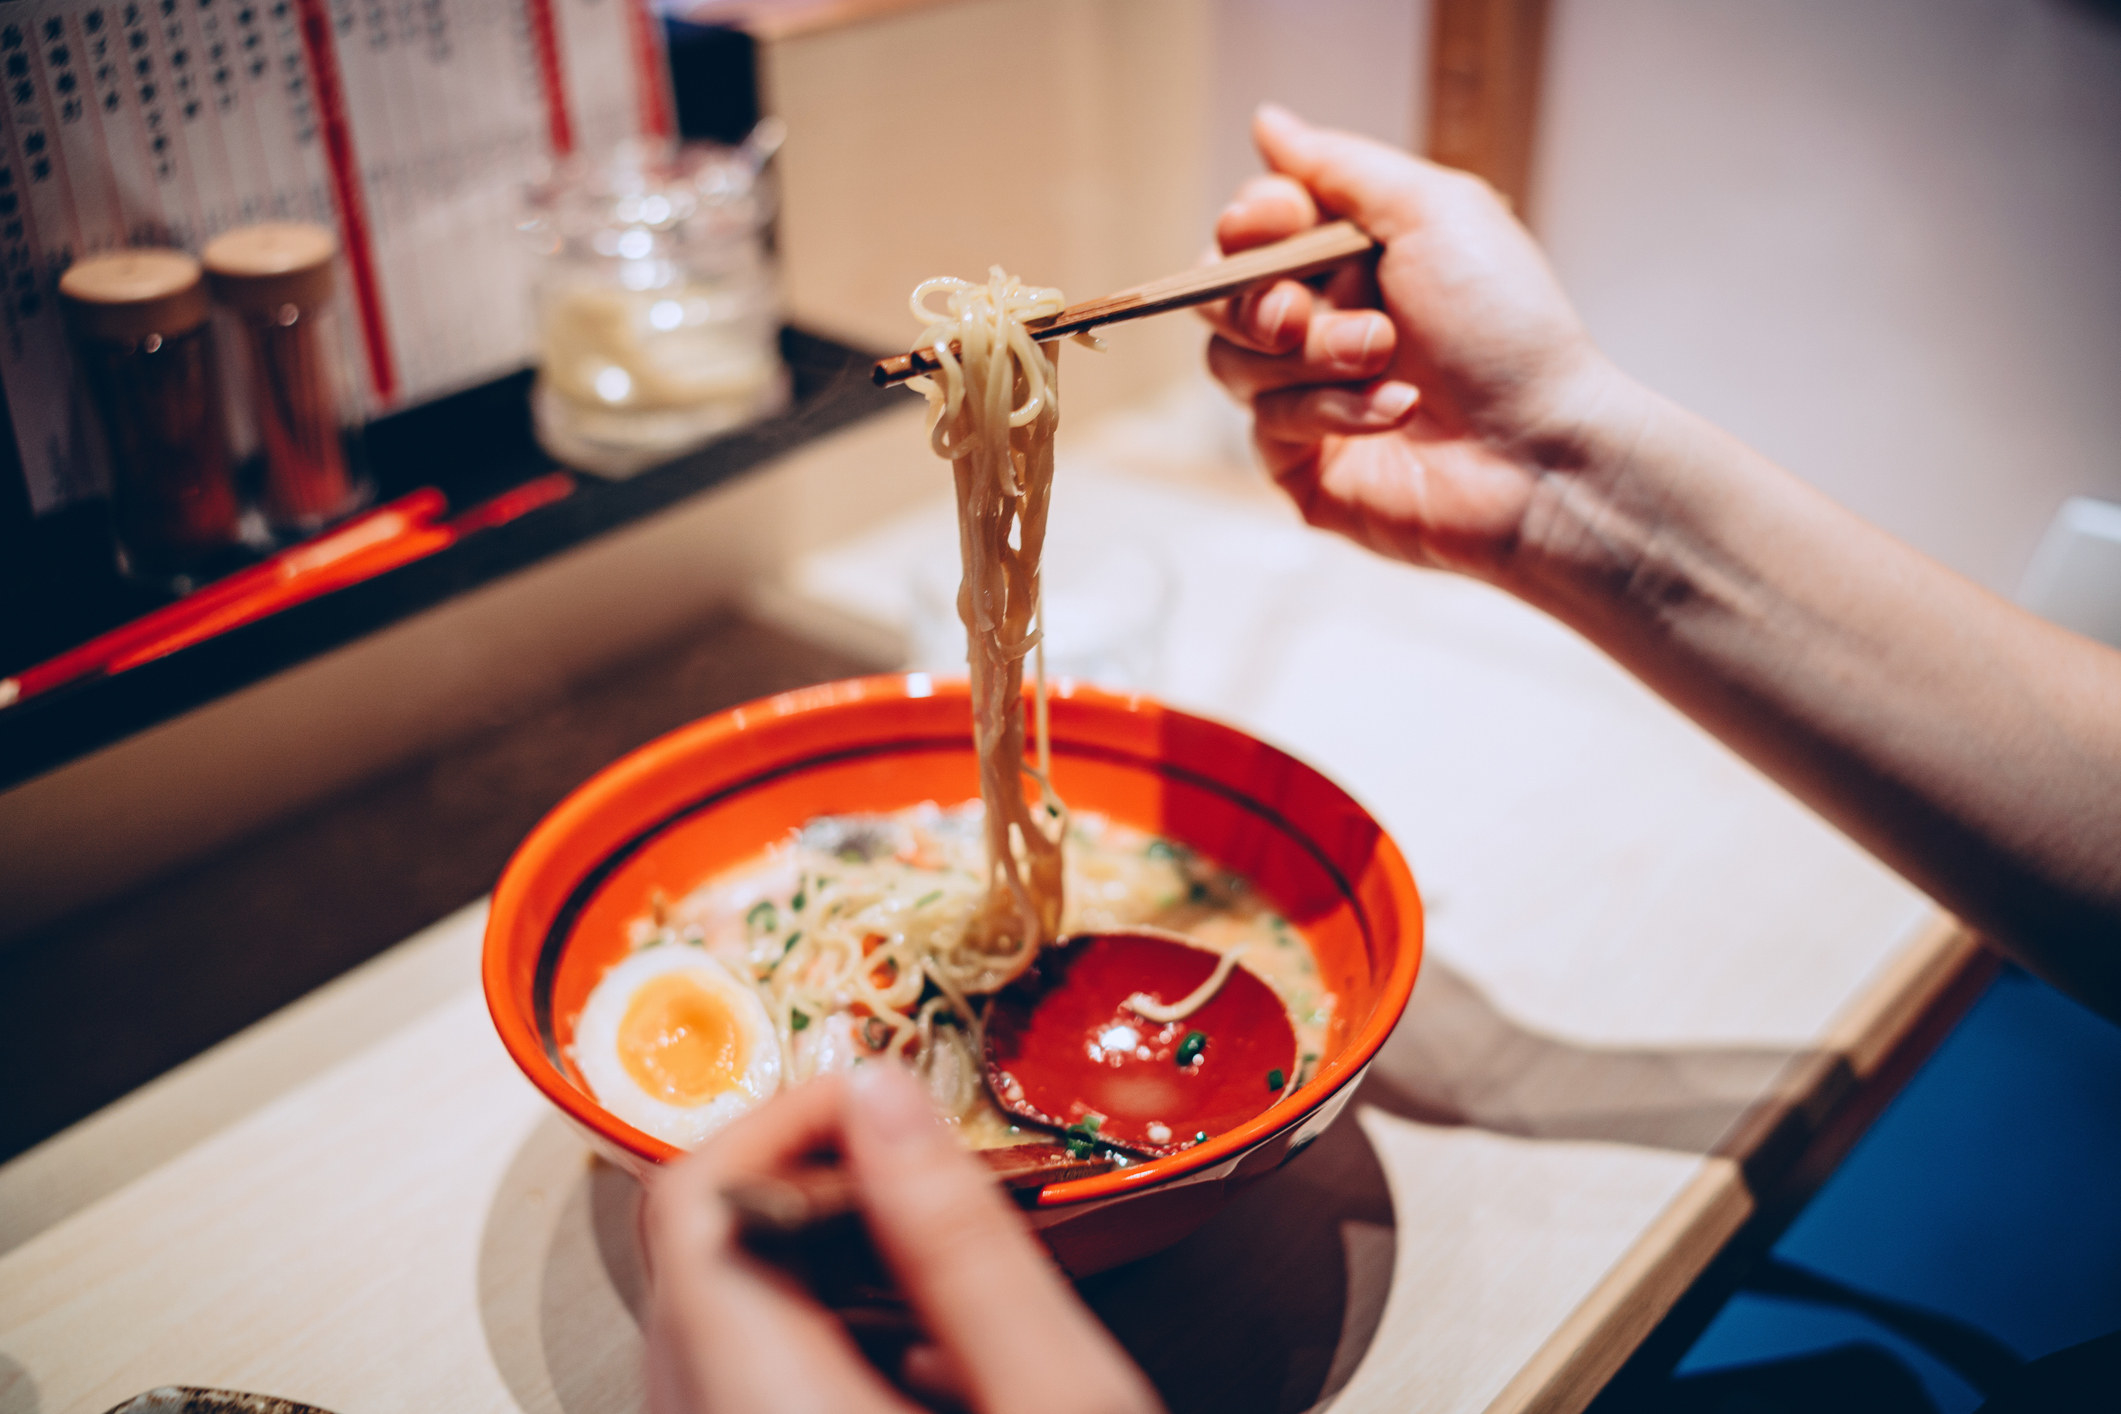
1410 407
728 1331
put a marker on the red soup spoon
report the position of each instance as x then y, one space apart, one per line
1087 1042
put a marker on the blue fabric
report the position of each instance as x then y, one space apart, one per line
1987 1198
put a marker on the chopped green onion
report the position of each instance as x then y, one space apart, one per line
1190 1048
797 1020
799 900
1161 849
925 899
1080 1137
763 918
793 939
1201 1137
1274 1080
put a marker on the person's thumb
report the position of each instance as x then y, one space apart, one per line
983 1289
1379 188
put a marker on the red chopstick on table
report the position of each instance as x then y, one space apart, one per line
391 535
331 563
95 656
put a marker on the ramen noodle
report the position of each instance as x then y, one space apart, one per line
992 409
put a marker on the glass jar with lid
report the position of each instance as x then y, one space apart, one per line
657 316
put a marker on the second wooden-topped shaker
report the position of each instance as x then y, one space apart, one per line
280 281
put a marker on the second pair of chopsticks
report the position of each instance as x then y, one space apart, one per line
1308 253
376 541
787 1206
808 1222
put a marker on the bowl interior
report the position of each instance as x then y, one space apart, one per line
713 795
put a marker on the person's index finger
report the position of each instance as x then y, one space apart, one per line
984 1290
800 1121
1378 187
1266 208
684 1201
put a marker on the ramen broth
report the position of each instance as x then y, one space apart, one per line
831 927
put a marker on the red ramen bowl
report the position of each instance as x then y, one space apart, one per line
712 795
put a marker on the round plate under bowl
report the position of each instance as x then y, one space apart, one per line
714 794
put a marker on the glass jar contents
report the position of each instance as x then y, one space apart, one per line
278 280
141 325
657 320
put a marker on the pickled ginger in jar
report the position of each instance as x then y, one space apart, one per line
657 318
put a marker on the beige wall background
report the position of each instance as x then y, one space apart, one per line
1880 240
1062 141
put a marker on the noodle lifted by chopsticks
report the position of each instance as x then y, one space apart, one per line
992 410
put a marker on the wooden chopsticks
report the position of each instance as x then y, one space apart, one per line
787 1206
808 1222
1307 253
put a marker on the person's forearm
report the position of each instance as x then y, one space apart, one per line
1970 745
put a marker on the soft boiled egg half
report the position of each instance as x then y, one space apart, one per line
675 1044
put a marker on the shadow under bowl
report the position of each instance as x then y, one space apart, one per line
713 795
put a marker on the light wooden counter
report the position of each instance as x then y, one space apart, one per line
1659 994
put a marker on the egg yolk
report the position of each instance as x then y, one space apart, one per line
679 1042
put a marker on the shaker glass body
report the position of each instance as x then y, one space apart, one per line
145 343
277 280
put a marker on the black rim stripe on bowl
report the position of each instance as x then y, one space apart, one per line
578 899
